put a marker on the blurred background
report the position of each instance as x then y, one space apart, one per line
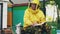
16 9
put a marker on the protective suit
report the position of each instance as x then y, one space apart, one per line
51 13
32 16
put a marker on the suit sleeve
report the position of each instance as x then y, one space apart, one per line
42 17
27 21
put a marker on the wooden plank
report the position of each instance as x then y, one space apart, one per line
9 19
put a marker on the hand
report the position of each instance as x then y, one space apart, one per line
42 23
34 23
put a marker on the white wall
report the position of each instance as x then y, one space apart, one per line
19 1
4 22
4 0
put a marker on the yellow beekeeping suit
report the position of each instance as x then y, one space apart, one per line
31 16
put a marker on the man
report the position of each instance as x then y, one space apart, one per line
33 15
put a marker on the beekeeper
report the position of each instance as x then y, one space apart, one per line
51 11
33 15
